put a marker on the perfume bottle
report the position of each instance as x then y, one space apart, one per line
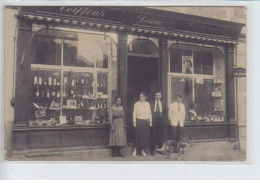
73 81
58 94
53 92
82 81
48 93
37 93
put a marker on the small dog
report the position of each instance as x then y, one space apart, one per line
172 146
168 147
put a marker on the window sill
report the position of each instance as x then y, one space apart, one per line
67 126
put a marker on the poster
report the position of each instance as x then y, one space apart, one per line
187 65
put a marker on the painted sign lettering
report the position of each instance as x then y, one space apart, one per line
82 11
143 19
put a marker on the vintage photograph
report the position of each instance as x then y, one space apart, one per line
93 83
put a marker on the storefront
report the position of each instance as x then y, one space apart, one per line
73 61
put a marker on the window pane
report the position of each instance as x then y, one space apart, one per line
203 99
207 63
175 60
47 50
78 96
183 87
46 97
197 62
209 98
143 46
186 52
85 50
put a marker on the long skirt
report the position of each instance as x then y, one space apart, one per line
142 134
117 136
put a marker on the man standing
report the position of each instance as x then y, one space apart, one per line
159 113
177 117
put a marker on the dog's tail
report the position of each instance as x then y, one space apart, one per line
162 149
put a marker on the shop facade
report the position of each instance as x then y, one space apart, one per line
72 61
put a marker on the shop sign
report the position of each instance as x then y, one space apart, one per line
78 12
239 72
149 20
40 113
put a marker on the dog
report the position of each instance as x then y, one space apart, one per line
168 147
172 146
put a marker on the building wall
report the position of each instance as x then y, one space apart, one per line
9 57
235 14
241 91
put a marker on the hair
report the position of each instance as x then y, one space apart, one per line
117 97
192 105
158 92
142 93
189 62
178 96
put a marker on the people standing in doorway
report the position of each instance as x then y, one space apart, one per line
142 121
177 115
159 112
117 138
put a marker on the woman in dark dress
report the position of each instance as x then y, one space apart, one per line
117 138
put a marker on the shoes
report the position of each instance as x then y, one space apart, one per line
113 151
143 153
153 153
120 155
134 153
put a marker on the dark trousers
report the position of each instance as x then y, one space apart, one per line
157 132
176 133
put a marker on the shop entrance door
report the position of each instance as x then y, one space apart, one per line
143 75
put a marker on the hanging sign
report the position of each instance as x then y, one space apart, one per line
239 72
40 113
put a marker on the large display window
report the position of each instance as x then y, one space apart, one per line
71 77
198 74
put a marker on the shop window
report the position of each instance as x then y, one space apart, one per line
70 78
204 85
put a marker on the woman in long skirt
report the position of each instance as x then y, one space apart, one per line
117 138
142 121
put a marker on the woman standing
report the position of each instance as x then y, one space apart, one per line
117 137
142 121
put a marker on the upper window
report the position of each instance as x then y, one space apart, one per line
80 50
191 62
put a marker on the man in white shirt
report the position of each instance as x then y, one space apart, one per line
177 115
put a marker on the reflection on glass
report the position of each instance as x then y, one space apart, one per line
88 50
47 50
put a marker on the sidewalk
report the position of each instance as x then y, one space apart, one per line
203 151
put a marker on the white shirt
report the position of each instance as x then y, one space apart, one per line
177 114
142 110
160 105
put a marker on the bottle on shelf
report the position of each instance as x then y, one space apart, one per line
37 93
73 81
58 94
82 81
53 92
48 93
